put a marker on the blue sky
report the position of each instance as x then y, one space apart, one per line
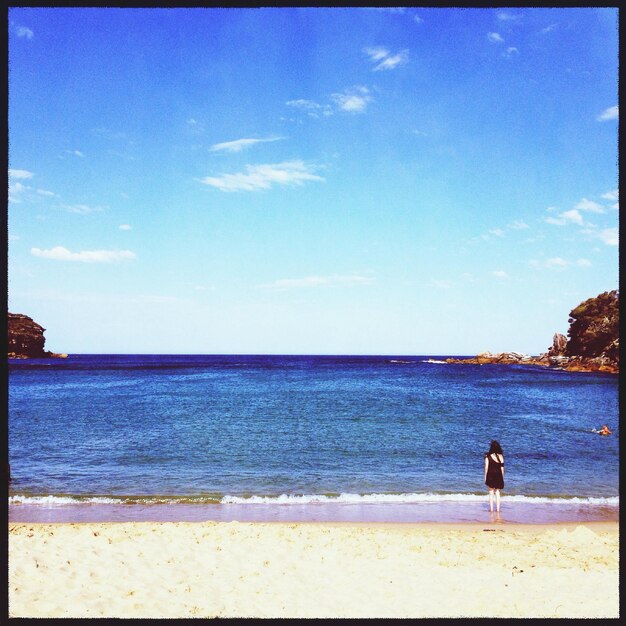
312 180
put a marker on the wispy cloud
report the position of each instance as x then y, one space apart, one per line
125 227
18 190
77 153
20 174
609 236
500 274
517 225
510 52
612 196
501 232
354 100
312 108
495 37
318 281
239 144
46 192
505 16
398 10
548 29
59 253
24 31
80 208
258 177
556 263
384 60
195 126
612 113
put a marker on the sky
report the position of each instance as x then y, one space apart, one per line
403 181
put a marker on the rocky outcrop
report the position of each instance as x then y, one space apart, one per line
26 339
593 344
559 344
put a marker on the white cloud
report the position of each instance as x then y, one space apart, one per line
353 100
556 262
80 208
23 31
257 177
59 253
384 60
589 205
609 236
567 217
583 263
45 192
498 232
313 109
510 52
20 174
318 281
125 227
611 195
16 190
500 274
612 113
417 19
377 53
239 144
495 37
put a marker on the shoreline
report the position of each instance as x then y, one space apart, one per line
475 512
313 569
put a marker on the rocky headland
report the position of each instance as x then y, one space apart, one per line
26 339
592 344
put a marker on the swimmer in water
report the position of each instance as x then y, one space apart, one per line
604 430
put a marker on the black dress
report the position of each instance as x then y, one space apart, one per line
494 478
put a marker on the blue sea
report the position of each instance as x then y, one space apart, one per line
343 438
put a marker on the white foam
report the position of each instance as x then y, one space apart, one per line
407 498
305 499
433 361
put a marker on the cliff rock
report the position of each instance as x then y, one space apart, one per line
26 339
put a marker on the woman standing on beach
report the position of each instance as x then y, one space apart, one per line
494 473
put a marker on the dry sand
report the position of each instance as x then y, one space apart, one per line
208 569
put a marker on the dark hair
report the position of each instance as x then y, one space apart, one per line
495 448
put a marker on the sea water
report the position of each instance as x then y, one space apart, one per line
361 438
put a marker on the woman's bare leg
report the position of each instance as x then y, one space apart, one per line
498 500
491 500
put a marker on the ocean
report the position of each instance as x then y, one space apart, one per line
289 438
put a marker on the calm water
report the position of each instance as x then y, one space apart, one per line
242 430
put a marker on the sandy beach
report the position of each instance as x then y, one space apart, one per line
233 569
